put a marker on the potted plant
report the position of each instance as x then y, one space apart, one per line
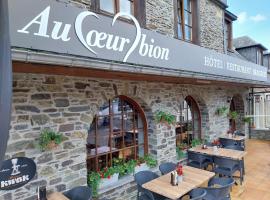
247 120
196 142
49 139
93 181
145 163
180 153
163 117
108 176
222 110
233 115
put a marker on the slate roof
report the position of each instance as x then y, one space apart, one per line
245 42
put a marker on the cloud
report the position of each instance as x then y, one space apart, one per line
242 17
258 18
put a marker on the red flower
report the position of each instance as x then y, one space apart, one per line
109 177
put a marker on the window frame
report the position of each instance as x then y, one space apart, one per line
136 109
138 9
195 38
229 33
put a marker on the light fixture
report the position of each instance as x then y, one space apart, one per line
229 99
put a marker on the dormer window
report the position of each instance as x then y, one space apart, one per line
259 56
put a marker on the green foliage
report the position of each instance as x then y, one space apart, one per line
196 142
222 110
93 180
180 153
162 116
119 166
150 161
183 146
247 119
48 137
233 115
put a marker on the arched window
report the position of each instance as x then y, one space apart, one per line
119 130
188 122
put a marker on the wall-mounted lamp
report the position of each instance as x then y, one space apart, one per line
229 99
250 98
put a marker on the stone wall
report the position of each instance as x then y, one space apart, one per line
260 134
160 16
212 25
68 104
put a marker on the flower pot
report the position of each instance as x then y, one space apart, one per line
141 167
105 182
52 145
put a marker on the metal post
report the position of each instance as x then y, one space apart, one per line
5 78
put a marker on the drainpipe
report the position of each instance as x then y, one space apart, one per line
5 78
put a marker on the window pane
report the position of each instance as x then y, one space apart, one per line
107 5
140 151
126 6
188 18
187 5
179 31
188 31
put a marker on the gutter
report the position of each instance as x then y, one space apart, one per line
30 56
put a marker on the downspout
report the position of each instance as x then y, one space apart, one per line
5 78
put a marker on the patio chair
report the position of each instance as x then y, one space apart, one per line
165 168
197 194
227 167
239 148
239 133
79 193
198 160
144 194
219 189
226 142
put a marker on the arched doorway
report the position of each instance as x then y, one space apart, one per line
237 106
188 122
232 122
118 131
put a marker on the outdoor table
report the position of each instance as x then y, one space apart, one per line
57 196
236 138
192 178
221 152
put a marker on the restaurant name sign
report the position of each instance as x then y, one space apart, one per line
48 25
16 172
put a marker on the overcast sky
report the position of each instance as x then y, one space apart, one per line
253 19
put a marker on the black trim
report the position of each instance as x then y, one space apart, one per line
220 3
5 78
230 16
255 45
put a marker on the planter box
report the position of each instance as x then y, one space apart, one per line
142 167
105 182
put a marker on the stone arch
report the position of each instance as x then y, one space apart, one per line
237 104
204 113
147 118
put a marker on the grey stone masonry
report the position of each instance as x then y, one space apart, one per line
68 105
160 17
211 25
260 134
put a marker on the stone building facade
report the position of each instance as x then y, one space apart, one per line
68 104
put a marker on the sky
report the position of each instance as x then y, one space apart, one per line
253 19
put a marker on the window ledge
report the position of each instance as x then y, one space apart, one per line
130 178
122 181
261 129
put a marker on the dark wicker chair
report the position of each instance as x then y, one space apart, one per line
227 167
219 193
197 194
79 193
198 160
143 194
166 168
